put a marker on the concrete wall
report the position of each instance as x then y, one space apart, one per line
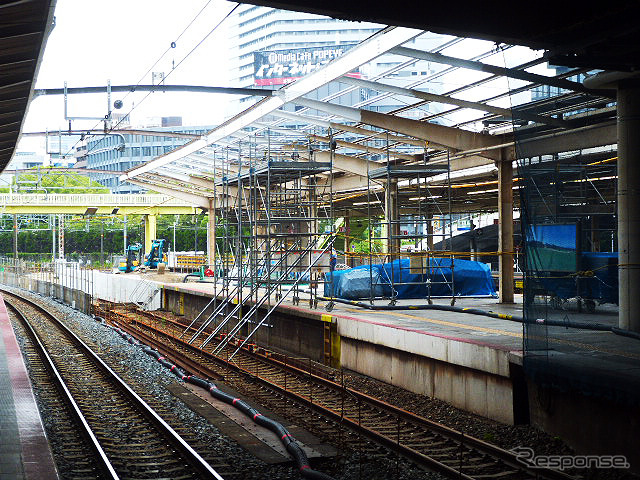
127 288
73 297
284 332
471 390
470 376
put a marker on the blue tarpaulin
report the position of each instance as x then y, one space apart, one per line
469 279
601 286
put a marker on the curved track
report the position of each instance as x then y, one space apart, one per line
127 438
423 441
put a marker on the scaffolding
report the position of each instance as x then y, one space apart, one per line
409 225
275 232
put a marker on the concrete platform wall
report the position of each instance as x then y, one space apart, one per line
472 390
472 376
127 288
295 335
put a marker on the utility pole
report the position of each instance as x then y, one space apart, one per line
101 243
195 237
125 234
15 238
53 238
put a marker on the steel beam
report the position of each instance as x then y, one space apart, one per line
345 163
444 99
492 69
195 199
365 148
366 51
337 127
448 136
154 88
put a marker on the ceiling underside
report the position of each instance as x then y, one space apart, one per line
24 27
468 103
581 34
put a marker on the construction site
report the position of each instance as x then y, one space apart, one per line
476 246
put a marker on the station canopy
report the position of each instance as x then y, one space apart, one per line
436 100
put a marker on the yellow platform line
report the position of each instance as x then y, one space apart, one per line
448 324
582 346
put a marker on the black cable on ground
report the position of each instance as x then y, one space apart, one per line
285 437
475 311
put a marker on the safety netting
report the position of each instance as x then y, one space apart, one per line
568 218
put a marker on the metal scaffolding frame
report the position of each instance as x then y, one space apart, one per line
275 219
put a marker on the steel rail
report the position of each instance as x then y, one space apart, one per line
195 460
505 456
103 462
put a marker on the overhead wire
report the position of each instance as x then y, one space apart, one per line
172 45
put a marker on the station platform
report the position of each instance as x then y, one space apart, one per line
475 362
24 448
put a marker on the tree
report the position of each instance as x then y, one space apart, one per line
51 181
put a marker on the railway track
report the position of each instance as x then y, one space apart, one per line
121 436
422 441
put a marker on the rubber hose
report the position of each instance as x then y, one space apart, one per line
473 311
625 333
276 427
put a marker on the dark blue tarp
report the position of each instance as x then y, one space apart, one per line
470 279
601 286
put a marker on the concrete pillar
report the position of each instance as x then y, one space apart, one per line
628 201
125 235
505 227
430 241
149 232
392 243
211 234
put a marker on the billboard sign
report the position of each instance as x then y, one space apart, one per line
280 67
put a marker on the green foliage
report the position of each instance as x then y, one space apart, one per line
82 235
359 235
54 182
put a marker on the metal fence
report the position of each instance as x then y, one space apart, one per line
69 282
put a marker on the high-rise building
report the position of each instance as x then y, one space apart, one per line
121 151
270 48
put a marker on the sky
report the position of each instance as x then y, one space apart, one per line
94 42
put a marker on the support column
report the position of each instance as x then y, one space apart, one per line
505 227
347 240
149 232
211 235
392 243
125 235
15 237
628 201
429 221
61 237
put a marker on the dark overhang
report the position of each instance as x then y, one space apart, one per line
24 28
585 34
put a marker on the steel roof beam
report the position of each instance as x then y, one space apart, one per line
348 128
364 148
194 199
495 70
432 97
450 137
366 51
154 88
